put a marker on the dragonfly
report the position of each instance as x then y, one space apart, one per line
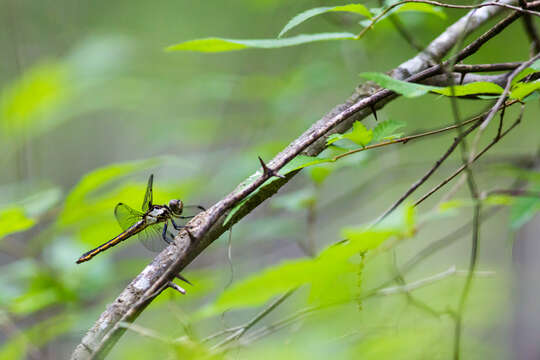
150 224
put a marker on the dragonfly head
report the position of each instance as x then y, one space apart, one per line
176 206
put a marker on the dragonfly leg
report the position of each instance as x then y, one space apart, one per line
164 235
177 227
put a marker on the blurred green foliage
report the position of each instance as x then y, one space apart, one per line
90 104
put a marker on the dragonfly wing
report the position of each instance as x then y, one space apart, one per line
126 216
147 202
152 237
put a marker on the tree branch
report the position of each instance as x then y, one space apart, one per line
209 225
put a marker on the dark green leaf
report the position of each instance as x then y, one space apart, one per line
404 88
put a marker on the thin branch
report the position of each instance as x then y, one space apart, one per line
530 29
462 167
428 174
506 91
243 329
451 6
406 139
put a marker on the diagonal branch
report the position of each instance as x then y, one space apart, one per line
209 225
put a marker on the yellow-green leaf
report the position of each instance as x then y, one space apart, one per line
221 44
14 219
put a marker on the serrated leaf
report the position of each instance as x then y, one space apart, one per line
481 87
333 138
221 44
387 129
404 88
359 134
521 90
308 14
13 219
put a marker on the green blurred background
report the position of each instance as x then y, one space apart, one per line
91 104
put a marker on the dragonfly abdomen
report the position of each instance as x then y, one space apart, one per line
134 229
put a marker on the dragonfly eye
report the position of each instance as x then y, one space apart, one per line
176 206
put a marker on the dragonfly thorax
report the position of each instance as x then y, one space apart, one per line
157 214
176 206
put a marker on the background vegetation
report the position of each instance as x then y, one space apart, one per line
91 104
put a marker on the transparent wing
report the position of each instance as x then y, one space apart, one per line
126 216
147 202
152 237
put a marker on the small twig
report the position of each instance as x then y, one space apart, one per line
473 68
145 332
243 329
460 169
426 281
451 6
530 29
512 192
503 96
176 287
406 139
428 174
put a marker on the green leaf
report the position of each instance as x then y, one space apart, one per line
319 173
221 45
481 87
258 288
13 219
387 129
332 275
521 90
404 88
76 200
26 105
308 14
524 209
419 7
359 134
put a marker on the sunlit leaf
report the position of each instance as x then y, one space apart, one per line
13 220
359 135
387 129
521 90
404 88
91 182
26 104
481 87
308 14
332 275
220 44
419 7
